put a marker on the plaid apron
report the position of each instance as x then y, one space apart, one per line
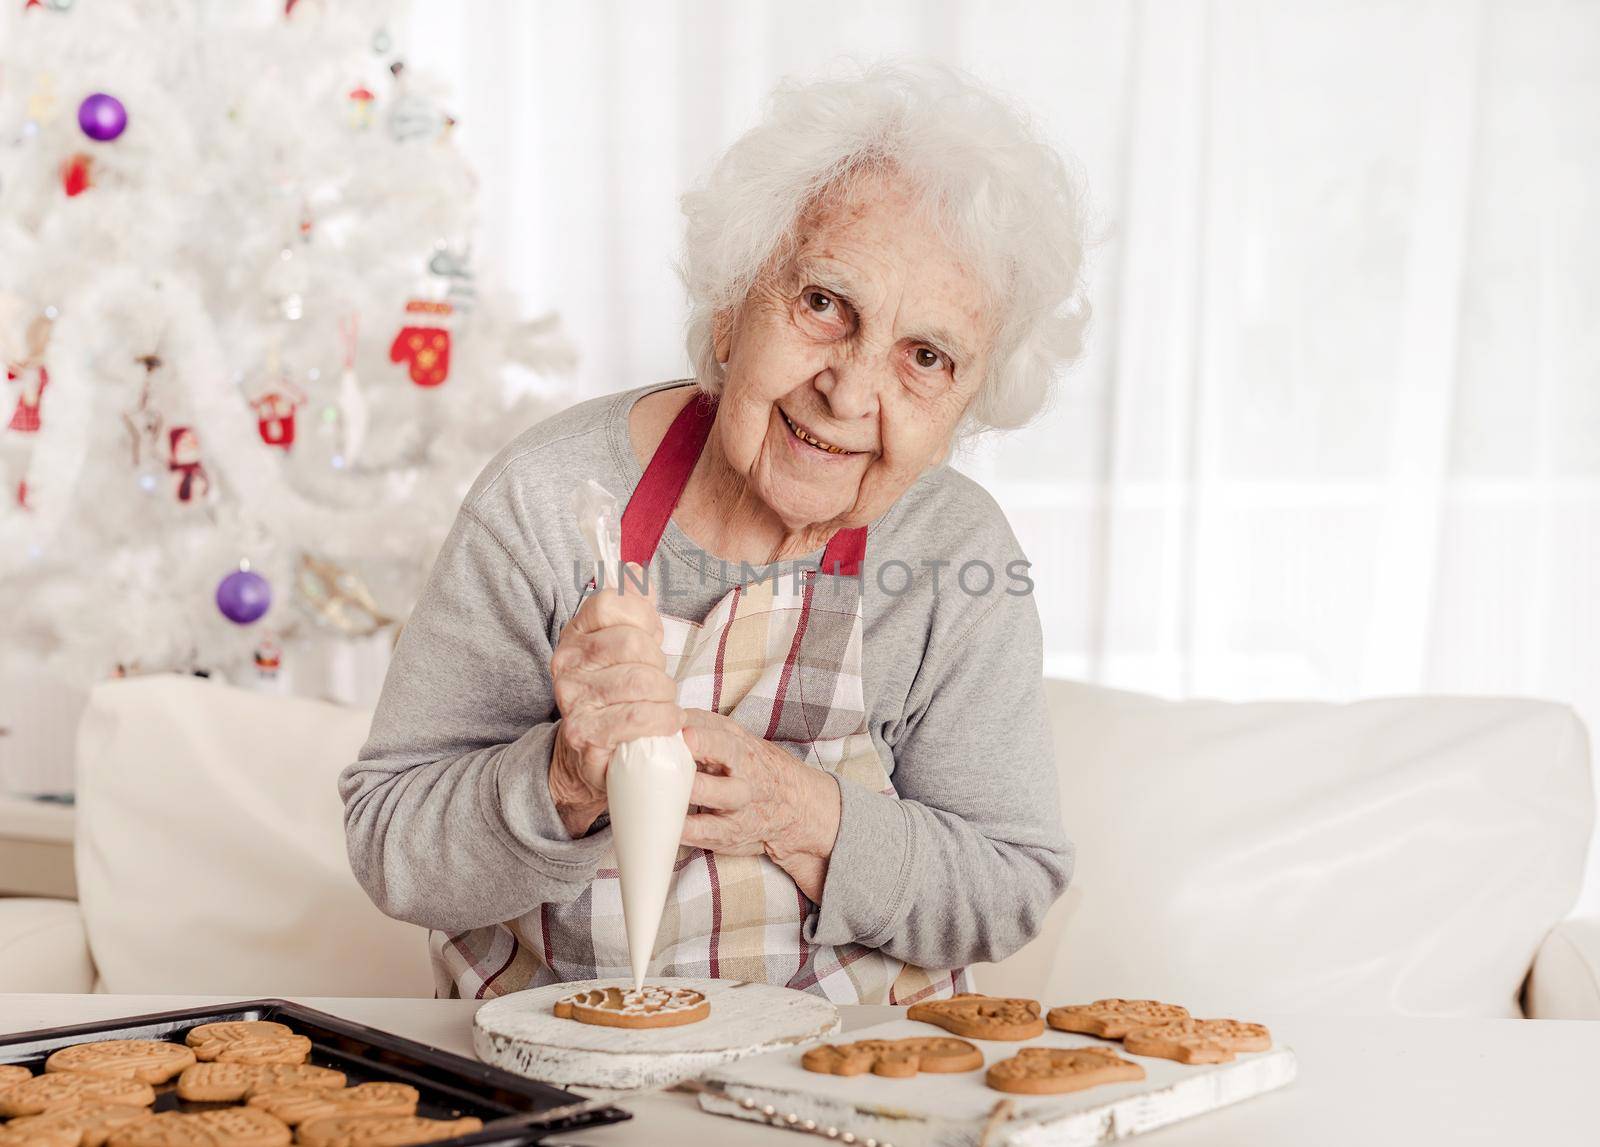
784 661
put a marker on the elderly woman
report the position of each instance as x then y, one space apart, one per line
839 623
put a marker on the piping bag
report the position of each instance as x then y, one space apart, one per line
648 779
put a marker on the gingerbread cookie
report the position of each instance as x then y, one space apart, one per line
1113 1019
977 1016
383 1130
1054 1070
650 1007
13 1136
303 1104
85 1125
893 1058
248 1041
1199 1041
219 1082
233 1126
12 1074
61 1089
146 1060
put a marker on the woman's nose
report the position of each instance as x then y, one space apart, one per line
850 390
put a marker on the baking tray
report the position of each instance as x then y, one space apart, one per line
450 1085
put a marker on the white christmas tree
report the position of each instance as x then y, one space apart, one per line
249 376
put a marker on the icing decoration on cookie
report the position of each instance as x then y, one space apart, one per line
652 1006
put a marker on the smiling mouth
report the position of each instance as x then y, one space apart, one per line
799 432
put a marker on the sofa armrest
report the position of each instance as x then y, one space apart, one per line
1565 981
43 946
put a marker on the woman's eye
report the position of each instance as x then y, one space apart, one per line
818 302
928 358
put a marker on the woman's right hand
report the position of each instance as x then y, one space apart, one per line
611 686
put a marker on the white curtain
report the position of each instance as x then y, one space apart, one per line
1339 430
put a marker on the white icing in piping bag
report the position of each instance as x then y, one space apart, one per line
648 779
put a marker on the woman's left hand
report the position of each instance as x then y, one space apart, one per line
757 798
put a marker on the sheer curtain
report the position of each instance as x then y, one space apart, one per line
1339 430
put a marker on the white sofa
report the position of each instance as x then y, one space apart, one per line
1412 856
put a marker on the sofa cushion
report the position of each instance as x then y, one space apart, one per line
1398 856
211 851
42 946
1565 983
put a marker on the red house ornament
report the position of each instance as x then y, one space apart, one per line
275 409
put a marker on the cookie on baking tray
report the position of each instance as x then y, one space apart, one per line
303 1104
1055 1070
893 1058
82 1125
1113 1019
248 1041
222 1082
975 1016
1198 1041
60 1089
234 1126
12 1074
145 1060
650 1007
39 1137
383 1130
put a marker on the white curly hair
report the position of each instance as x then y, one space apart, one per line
1006 201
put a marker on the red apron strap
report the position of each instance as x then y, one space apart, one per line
846 549
650 507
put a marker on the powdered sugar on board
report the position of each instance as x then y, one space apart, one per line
953 1110
521 1033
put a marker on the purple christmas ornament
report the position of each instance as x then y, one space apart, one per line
102 117
243 596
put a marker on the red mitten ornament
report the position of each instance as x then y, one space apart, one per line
425 346
25 418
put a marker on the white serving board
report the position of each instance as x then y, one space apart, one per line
522 1034
952 1110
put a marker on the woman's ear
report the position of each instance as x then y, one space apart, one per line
722 335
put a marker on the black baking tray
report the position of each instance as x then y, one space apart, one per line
450 1085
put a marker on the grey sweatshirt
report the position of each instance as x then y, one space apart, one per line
448 815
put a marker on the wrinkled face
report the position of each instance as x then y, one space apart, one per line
850 364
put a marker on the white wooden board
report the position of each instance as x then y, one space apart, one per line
952 1110
521 1033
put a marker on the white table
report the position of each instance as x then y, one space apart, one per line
1362 1081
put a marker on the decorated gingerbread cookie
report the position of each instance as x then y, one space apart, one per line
650 1007
1199 1041
144 1060
1113 1019
976 1016
1054 1070
893 1058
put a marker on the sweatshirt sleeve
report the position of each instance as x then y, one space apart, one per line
963 865
448 817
